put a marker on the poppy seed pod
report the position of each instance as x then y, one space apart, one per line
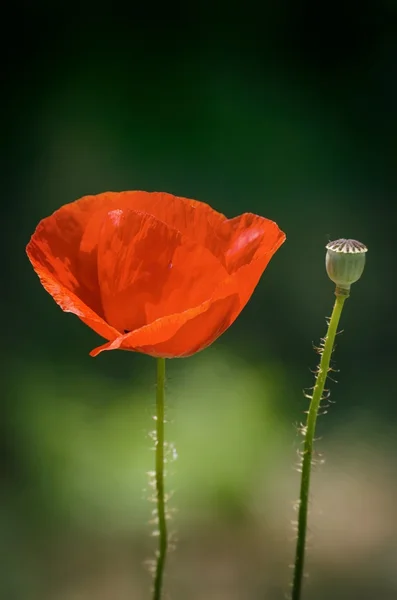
345 261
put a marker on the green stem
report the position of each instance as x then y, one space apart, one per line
309 431
160 496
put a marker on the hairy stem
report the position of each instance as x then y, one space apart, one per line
160 495
309 439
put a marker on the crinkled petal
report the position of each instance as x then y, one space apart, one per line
246 237
253 243
55 248
69 302
194 219
183 334
148 270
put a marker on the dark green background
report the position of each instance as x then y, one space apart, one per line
289 111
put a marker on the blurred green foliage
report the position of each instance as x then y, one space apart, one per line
292 117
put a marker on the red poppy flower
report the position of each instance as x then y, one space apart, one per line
152 272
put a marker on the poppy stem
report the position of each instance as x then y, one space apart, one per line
160 495
308 432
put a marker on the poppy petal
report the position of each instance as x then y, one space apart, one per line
180 334
246 237
147 270
69 302
55 247
251 245
185 333
196 220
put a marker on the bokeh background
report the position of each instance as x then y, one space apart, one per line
288 111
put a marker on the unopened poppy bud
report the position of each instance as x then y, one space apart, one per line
345 261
